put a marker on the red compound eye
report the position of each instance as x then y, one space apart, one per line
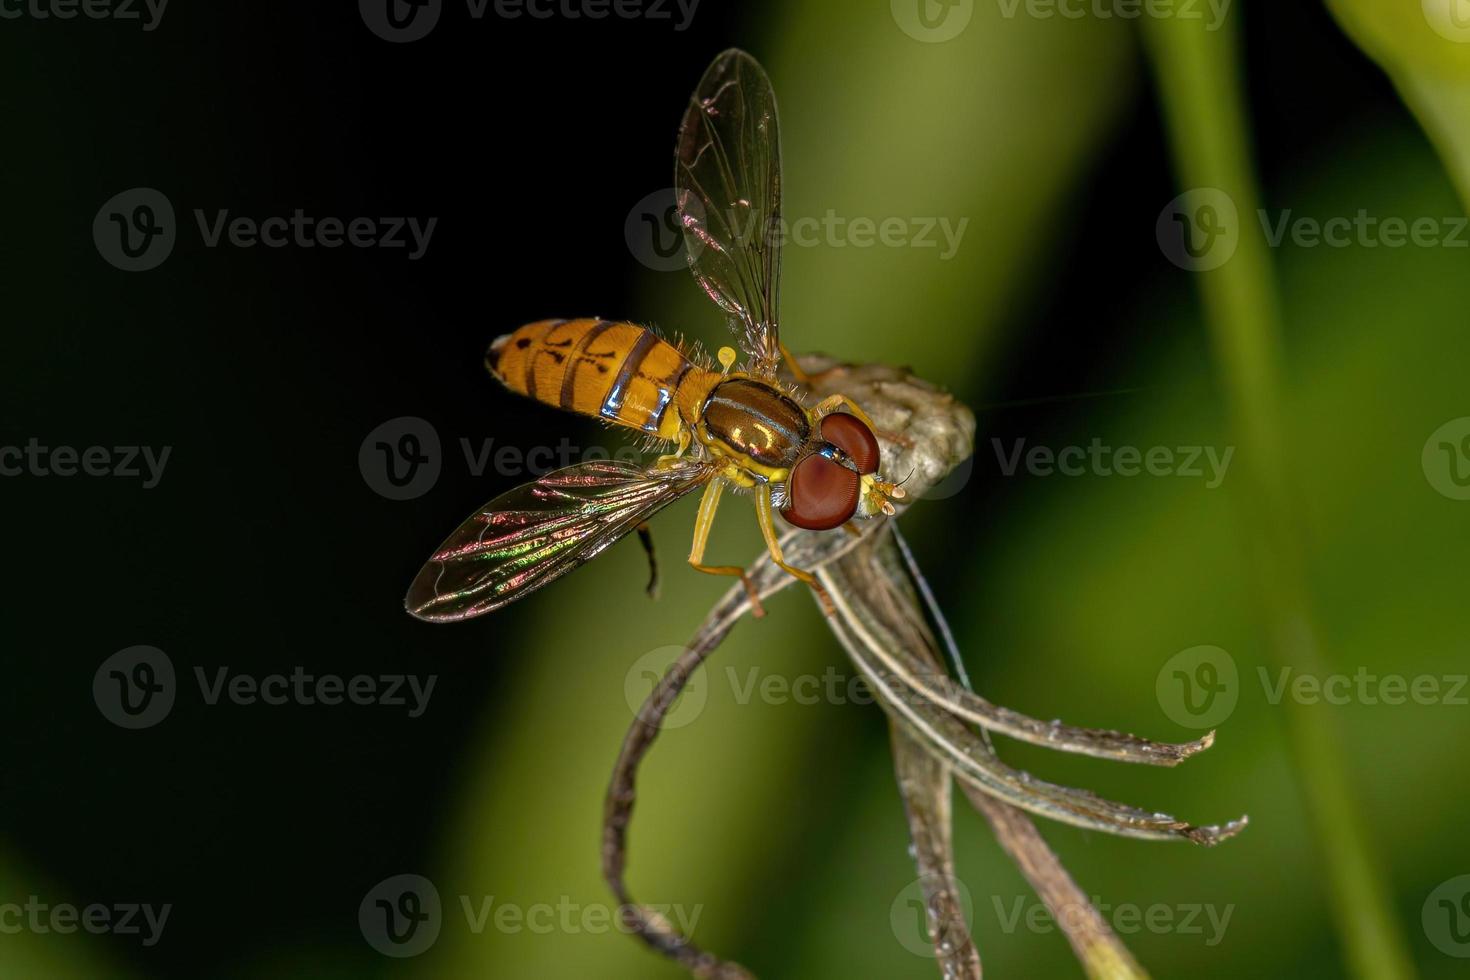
821 494
849 434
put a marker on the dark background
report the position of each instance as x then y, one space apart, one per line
263 548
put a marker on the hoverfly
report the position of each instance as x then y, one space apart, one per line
744 429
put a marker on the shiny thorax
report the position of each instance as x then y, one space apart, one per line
756 423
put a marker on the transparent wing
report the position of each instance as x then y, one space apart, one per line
727 182
538 532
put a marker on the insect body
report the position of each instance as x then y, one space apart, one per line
817 467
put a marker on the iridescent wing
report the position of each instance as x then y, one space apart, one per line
727 183
538 532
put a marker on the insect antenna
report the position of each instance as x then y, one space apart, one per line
951 648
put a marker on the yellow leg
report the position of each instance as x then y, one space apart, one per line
708 504
832 403
669 460
801 376
767 520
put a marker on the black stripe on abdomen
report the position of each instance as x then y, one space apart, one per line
534 351
614 401
666 394
568 380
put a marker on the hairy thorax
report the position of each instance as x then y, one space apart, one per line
756 424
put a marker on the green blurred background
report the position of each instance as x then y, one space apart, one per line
777 823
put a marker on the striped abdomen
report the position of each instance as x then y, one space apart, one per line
618 372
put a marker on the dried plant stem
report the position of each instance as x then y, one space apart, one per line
926 785
646 923
864 635
931 684
1101 953
654 929
874 573
1203 104
1099 950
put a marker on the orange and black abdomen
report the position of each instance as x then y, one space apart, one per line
618 372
